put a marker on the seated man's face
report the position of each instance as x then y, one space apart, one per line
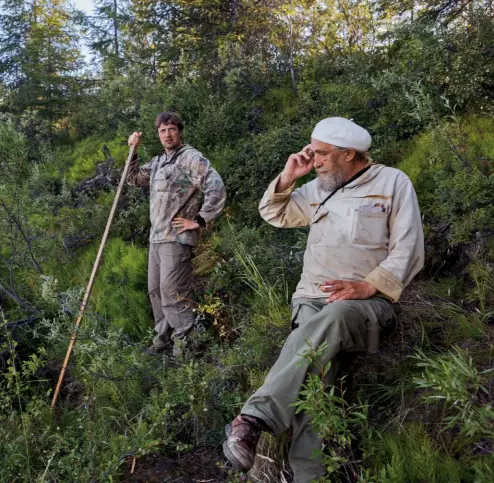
170 136
329 163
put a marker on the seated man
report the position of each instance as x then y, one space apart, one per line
365 245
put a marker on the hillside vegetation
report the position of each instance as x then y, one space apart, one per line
250 80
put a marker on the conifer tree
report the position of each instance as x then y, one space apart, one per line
108 26
39 57
14 24
164 33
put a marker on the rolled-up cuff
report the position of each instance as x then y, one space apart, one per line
133 171
386 283
200 221
207 217
283 195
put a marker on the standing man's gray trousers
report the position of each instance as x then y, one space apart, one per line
169 287
350 325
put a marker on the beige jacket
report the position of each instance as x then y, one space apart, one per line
182 184
369 230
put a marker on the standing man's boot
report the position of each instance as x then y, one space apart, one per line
240 446
157 347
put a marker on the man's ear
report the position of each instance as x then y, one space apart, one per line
350 154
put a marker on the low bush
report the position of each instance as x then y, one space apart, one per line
451 169
120 292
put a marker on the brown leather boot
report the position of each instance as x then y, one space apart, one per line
240 446
158 346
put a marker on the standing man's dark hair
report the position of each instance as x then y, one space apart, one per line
186 193
169 118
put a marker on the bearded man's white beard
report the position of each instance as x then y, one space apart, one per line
330 181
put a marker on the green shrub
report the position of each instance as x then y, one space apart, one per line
120 292
450 168
108 409
410 455
15 165
454 381
335 420
87 154
249 170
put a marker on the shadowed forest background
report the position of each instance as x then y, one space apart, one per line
250 79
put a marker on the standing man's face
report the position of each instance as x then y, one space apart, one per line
170 136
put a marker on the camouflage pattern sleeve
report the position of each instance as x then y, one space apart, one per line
139 176
214 196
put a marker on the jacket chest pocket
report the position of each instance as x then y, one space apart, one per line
161 185
370 228
173 179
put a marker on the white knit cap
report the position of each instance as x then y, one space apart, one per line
342 132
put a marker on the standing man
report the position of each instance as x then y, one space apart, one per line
186 193
365 245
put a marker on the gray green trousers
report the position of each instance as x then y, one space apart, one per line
169 288
350 325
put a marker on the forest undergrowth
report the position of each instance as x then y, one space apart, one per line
419 410
250 84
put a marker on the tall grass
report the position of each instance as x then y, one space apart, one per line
272 298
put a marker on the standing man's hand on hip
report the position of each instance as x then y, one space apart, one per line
182 224
134 139
345 290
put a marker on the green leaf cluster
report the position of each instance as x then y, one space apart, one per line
120 292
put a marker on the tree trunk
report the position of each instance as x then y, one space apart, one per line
292 66
115 28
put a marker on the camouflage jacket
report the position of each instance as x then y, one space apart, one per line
182 184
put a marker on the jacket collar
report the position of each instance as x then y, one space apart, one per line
369 175
168 158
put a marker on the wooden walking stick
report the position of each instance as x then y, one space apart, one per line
89 287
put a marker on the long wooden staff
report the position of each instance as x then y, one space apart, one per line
93 274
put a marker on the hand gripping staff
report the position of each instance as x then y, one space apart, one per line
89 287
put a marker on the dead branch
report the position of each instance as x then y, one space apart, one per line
18 224
21 302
